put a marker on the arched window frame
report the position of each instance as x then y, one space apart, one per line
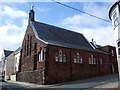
41 54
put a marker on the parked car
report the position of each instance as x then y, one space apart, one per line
2 78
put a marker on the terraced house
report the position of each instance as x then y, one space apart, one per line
54 55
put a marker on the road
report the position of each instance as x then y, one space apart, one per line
85 84
10 86
91 83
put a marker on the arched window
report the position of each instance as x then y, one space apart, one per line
101 62
56 57
75 60
78 58
92 60
60 55
64 58
41 55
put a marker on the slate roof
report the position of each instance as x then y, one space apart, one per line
7 53
61 37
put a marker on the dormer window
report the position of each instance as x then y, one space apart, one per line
115 19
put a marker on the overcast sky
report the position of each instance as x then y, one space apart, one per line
14 17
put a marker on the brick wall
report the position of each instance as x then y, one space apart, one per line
57 72
31 69
36 76
112 57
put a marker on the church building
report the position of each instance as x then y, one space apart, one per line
53 55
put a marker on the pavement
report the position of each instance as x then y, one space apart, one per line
108 81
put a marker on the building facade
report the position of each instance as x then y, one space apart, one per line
52 55
111 50
16 60
9 70
5 54
114 15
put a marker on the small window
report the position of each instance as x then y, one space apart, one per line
75 60
41 55
56 57
64 58
115 19
95 61
92 60
60 55
30 45
35 48
112 52
78 58
119 51
101 62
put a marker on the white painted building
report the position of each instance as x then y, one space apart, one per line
114 15
16 64
9 70
5 54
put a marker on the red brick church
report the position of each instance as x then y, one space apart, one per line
54 55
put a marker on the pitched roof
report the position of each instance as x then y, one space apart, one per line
61 37
7 53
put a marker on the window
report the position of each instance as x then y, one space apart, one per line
56 57
30 45
77 58
115 19
112 52
27 45
41 55
101 62
92 60
95 61
35 48
64 58
118 51
60 55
